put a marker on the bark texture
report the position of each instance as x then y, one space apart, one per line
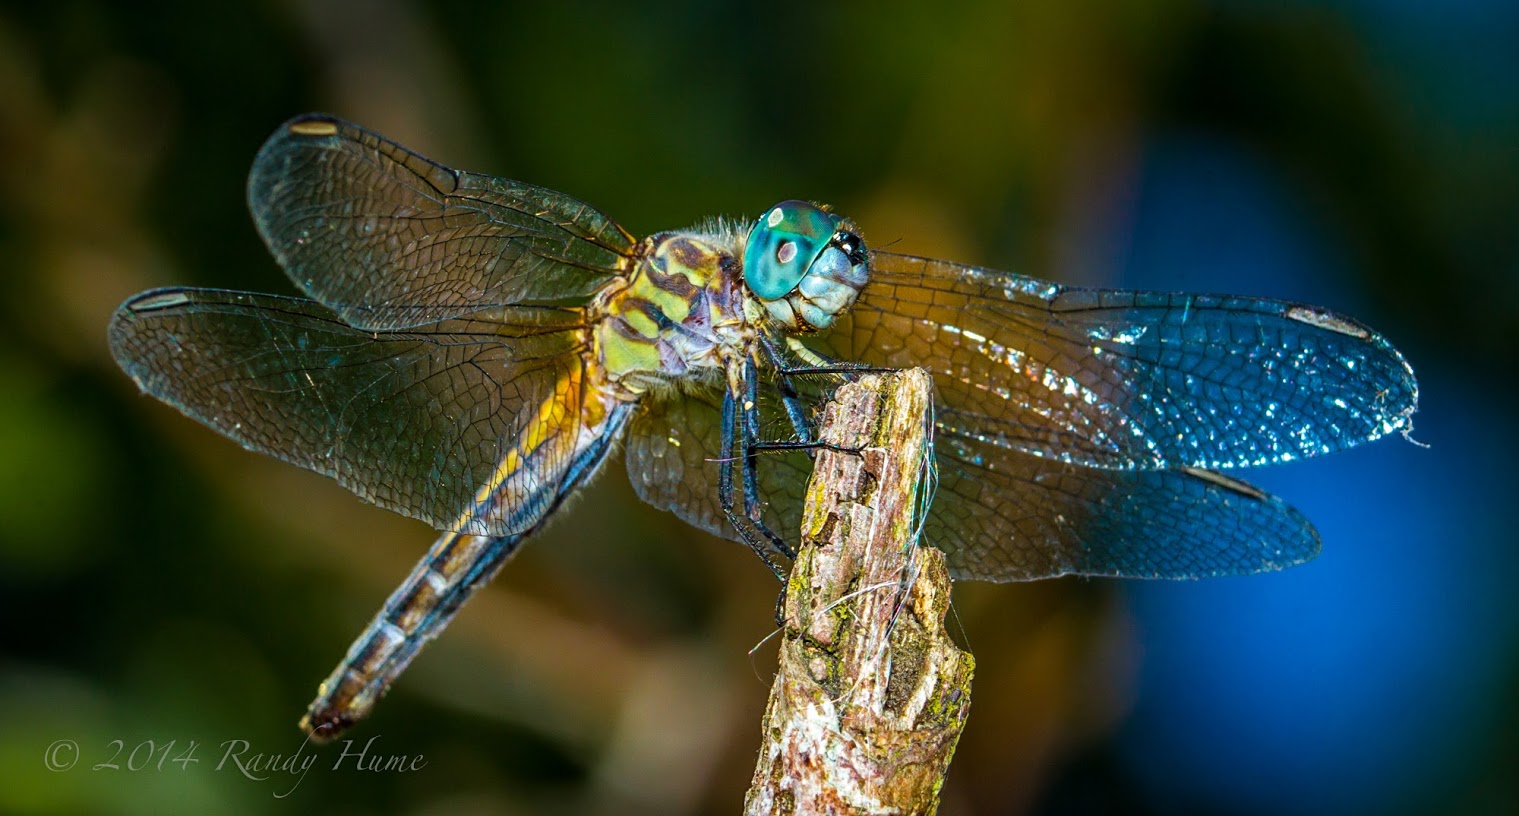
871 693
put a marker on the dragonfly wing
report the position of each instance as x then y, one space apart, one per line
389 239
999 514
673 460
414 421
1117 379
1004 515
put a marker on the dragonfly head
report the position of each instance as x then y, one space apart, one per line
805 265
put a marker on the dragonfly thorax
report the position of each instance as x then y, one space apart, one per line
805 265
678 317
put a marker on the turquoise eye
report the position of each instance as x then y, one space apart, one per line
782 246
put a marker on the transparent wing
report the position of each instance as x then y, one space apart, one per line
1116 379
1004 515
389 239
414 421
672 456
999 514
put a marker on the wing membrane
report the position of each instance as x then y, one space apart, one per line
1004 515
389 239
413 421
1116 379
672 457
1000 514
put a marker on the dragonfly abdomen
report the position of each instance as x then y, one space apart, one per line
561 452
414 614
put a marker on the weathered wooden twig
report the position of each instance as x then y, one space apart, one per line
871 693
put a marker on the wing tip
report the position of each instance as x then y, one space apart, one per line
1398 399
124 323
305 129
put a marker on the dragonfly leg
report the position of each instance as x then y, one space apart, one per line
815 363
789 397
741 522
790 445
839 368
753 507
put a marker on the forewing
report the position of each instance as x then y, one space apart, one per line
1117 379
413 421
389 239
1004 515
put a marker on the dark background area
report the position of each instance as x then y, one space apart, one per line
159 584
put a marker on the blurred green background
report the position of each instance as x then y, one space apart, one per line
159 584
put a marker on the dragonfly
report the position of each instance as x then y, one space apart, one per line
471 349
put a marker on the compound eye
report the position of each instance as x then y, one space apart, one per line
785 253
783 244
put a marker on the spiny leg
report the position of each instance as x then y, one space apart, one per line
787 373
790 399
749 425
837 368
740 522
750 432
741 419
815 363
751 445
781 446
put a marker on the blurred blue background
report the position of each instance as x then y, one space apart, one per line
157 583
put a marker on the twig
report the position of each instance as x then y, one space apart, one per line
871 694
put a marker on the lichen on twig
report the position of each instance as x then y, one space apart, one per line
871 693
